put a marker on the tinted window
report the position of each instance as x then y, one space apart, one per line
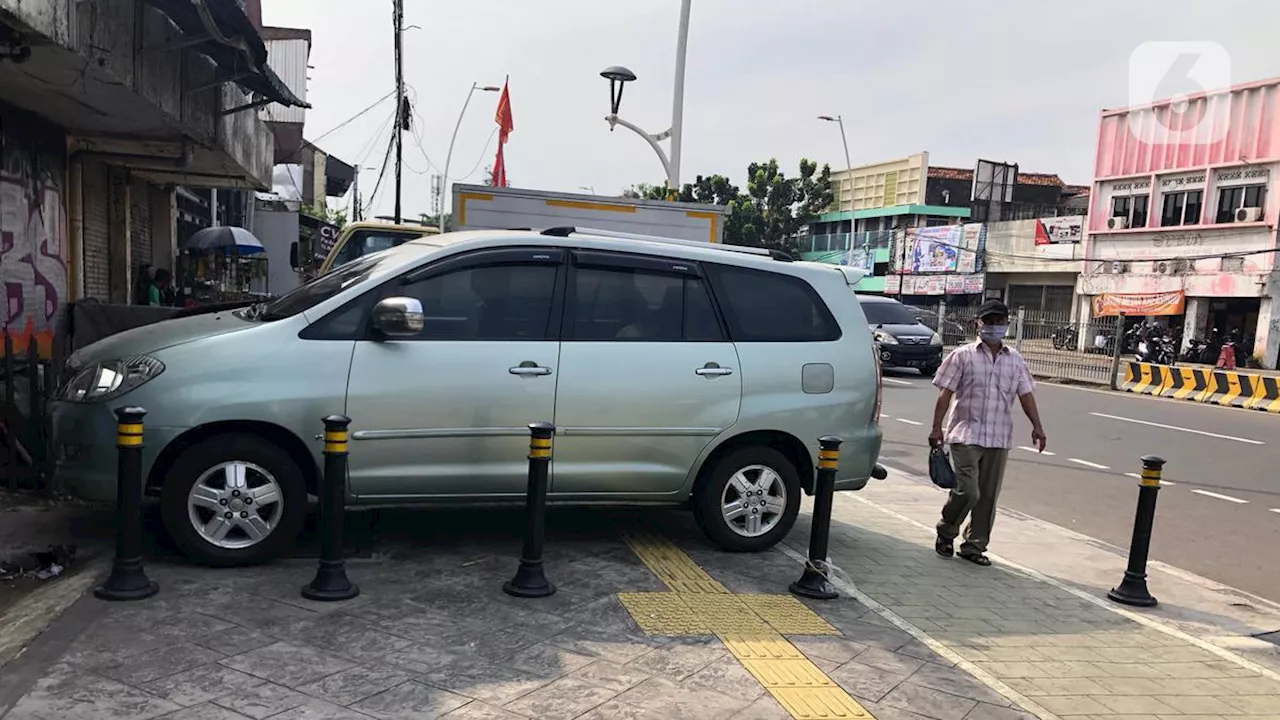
367 242
627 304
487 302
770 307
888 313
305 297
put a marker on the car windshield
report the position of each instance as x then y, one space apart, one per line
888 313
307 296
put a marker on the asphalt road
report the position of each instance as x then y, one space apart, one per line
1218 516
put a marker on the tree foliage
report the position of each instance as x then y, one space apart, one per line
770 213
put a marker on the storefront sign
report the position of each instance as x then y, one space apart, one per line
1055 230
944 249
934 284
973 284
955 284
892 284
1139 304
328 235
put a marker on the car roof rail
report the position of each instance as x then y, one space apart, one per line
566 231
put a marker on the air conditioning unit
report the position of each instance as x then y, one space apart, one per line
1117 223
1249 214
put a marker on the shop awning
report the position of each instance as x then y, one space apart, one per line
1139 304
230 41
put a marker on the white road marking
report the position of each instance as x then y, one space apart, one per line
1034 450
896 381
1275 510
1136 476
1174 427
909 422
1228 498
1086 463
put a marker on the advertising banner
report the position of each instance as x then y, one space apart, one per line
1139 304
944 249
892 283
1055 230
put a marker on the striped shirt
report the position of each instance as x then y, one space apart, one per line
985 387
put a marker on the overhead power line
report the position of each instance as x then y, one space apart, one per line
353 118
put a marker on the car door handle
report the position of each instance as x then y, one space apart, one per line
529 370
713 370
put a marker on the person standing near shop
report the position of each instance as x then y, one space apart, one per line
978 383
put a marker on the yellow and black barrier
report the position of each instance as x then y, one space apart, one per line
331 583
1231 388
128 579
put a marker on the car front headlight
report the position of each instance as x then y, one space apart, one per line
936 341
884 338
102 381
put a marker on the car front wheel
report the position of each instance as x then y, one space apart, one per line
233 499
750 499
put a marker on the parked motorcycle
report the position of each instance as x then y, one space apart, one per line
1064 338
1156 345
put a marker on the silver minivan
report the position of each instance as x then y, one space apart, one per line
674 372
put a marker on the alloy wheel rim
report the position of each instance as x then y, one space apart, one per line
235 505
753 501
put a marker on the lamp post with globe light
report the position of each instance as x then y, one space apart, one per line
619 76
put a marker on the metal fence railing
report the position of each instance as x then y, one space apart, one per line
27 384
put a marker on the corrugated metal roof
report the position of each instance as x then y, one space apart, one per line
288 58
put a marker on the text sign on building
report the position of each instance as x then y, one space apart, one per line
1056 230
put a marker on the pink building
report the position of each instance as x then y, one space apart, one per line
1185 200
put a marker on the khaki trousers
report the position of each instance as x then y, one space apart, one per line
979 475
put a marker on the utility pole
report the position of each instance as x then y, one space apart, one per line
401 116
355 197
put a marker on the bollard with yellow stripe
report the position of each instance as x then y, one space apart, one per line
129 427
540 435
1132 590
336 434
530 580
814 582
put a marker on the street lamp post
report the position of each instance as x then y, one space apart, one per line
618 76
444 183
848 163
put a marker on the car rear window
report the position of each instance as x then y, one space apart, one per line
888 313
771 307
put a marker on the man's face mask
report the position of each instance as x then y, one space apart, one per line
993 332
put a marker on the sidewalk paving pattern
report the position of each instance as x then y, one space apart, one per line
432 635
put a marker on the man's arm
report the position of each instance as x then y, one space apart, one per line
947 381
940 412
1027 398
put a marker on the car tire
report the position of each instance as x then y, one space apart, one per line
929 371
773 473
232 461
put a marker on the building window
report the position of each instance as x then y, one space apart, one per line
1181 208
936 221
1231 199
1131 207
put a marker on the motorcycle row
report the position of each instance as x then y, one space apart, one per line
1154 343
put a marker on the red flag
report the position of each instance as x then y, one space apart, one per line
503 116
505 126
500 169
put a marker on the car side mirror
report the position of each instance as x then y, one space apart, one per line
399 317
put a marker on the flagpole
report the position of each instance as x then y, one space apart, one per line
400 115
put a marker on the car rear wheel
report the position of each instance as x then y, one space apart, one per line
749 500
233 499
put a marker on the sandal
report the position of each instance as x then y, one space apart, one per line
976 559
944 547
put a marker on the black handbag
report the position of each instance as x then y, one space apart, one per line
940 471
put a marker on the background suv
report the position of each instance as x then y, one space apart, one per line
673 371
901 339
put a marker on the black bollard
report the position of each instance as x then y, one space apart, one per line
1133 588
530 581
128 580
814 583
330 582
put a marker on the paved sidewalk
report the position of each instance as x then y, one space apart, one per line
1054 651
433 636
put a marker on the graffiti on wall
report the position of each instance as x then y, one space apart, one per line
33 235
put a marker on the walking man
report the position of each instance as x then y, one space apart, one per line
978 383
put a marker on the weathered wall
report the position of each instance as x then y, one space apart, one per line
97 216
33 227
47 17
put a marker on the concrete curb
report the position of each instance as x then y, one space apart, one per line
29 617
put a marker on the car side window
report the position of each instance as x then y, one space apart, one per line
633 304
764 306
509 301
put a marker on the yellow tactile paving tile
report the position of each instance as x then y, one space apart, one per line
672 565
751 626
825 703
787 615
663 614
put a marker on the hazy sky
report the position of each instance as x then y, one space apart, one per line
1006 80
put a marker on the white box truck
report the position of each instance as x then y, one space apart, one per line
478 207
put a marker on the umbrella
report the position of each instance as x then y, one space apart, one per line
224 237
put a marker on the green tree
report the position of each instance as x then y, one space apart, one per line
645 191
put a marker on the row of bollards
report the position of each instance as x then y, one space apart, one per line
128 579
